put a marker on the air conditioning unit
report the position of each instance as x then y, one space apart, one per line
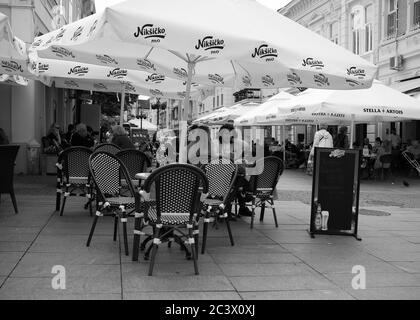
396 63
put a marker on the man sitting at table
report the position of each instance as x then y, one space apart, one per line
414 149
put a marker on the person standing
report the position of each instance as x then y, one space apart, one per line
322 139
342 140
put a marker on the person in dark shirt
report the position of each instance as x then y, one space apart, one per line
81 137
120 138
342 140
3 137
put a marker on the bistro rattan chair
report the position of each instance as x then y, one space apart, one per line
135 161
174 209
107 147
73 177
221 174
8 155
107 171
262 187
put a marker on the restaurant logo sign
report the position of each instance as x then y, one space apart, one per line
247 82
265 52
156 92
43 67
149 31
100 86
11 66
356 72
155 78
353 83
117 73
60 34
381 110
146 64
216 78
270 117
297 109
92 28
321 80
77 34
129 87
37 43
180 72
210 43
106 59
62 52
71 83
294 79
78 71
313 63
267 80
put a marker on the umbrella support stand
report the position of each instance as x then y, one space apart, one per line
122 105
352 132
183 152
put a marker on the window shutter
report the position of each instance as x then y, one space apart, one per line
402 17
416 18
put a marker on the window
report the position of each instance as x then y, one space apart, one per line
221 100
392 18
355 34
214 102
217 101
416 14
368 28
334 32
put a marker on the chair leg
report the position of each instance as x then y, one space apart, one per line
115 227
253 213
262 210
12 195
155 247
92 229
274 214
193 250
66 194
125 236
232 243
136 239
58 199
205 229
196 237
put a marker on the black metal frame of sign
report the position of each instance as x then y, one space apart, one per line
336 188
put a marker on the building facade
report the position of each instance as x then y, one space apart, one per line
384 32
26 113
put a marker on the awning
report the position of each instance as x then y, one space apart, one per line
409 86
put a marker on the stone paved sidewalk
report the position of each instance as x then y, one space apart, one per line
265 263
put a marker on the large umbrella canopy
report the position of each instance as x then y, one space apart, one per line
219 42
229 114
264 111
13 57
144 124
207 117
380 103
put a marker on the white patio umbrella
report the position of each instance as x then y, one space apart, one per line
207 117
231 113
209 42
13 80
144 124
264 111
380 103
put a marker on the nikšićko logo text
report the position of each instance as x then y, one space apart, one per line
78 71
313 63
265 52
149 31
210 43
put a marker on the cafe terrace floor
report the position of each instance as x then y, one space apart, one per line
265 263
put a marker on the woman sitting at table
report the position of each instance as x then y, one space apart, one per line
378 144
120 138
414 149
385 149
81 137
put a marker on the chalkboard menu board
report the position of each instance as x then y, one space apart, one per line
139 136
335 192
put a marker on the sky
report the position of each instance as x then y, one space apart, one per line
272 4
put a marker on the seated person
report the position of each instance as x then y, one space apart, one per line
54 142
120 138
81 137
385 149
414 149
378 144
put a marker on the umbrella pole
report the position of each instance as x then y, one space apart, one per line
183 156
284 145
352 132
122 105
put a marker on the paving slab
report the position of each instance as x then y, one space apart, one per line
173 268
281 283
247 249
259 258
266 269
133 282
389 293
410 267
196 295
332 294
8 260
6 246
